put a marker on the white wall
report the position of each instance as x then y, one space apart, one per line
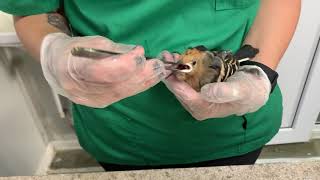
6 23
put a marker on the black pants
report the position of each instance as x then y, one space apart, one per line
246 159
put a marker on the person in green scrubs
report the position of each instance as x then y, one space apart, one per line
127 115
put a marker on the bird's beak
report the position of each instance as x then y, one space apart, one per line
184 67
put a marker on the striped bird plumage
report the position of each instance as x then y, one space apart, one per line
211 66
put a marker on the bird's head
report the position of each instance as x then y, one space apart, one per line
189 63
194 63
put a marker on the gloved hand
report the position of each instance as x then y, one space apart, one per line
245 91
97 83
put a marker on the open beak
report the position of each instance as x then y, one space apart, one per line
182 67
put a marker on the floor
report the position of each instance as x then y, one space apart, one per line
291 152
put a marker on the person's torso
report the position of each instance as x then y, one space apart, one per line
152 127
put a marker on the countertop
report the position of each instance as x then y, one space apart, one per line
296 170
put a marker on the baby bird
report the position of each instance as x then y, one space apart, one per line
199 66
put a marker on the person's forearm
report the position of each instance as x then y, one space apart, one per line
273 29
32 29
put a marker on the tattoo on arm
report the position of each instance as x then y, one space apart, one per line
59 22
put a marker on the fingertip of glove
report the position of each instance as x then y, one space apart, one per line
160 56
158 67
139 50
206 94
219 92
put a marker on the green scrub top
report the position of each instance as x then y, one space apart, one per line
152 128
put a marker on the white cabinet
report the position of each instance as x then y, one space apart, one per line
29 119
22 146
300 78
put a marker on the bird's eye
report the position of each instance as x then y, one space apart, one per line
194 63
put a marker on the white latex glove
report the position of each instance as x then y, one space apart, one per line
97 83
244 92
